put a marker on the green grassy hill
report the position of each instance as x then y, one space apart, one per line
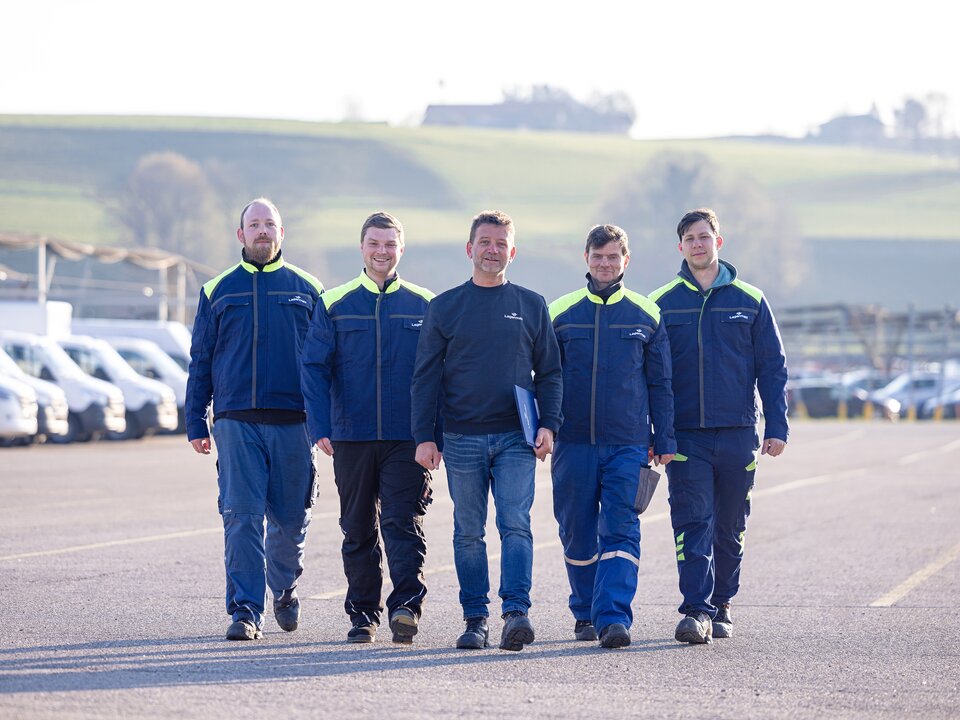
58 176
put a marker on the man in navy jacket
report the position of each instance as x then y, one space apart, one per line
357 366
616 380
245 357
480 340
725 347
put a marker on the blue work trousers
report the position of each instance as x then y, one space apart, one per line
710 482
476 465
265 471
595 491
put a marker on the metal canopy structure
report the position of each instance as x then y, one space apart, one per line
150 281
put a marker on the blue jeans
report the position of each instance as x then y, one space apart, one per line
505 464
265 471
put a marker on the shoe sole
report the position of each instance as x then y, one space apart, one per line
361 639
722 630
258 635
618 640
584 635
517 639
692 637
471 644
404 628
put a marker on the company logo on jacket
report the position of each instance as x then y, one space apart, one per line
418 323
299 299
739 316
514 316
637 333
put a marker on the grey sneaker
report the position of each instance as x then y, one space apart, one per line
517 631
695 628
614 635
403 623
286 609
722 623
363 631
243 630
584 630
476 636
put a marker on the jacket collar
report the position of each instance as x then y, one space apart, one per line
392 285
251 267
691 282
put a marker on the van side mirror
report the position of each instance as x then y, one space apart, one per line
45 374
100 374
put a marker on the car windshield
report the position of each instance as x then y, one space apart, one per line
8 366
60 363
114 365
142 358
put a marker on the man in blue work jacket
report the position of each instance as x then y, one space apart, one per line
245 356
357 367
725 347
616 375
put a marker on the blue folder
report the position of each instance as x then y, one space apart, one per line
529 415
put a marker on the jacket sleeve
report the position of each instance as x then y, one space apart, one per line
427 378
200 379
547 373
658 369
319 351
771 364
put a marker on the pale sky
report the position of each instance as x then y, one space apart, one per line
692 68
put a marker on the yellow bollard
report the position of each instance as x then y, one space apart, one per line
842 410
868 410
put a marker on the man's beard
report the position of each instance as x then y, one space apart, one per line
262 253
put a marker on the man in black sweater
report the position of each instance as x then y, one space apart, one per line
478 341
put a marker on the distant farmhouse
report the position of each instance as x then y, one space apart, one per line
853 130
544 108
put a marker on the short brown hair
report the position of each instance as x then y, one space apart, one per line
383 220
491 217
600 235
695 216
262 201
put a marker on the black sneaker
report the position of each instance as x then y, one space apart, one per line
476 635
403 623
614 635
517 631
363 631
286 609
722 623
243 630
584 630
695 628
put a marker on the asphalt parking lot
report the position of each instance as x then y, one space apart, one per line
111 557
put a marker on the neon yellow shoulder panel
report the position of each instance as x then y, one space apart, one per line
749 289
661 291
211 285
307 276
644 303
565 302
334 294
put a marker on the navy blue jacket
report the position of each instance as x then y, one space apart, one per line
247 338
358 360
725 346
616 370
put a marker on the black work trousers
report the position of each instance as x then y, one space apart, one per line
383 491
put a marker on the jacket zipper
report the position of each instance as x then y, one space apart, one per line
593 379
256 332
376 315
703 414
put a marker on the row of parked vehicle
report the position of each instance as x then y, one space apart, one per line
79 387
927 393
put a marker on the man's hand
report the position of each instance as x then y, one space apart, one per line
772 446
428 455
201 445
544 443
663 459
325 445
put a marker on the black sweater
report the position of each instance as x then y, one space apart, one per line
477 343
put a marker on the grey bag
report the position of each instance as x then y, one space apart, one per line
645 489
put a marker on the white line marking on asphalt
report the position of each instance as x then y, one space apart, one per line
917 578
806 482
917 456
128 541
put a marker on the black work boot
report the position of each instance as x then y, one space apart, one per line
404 624
722 623
517 631
286 609
696 628
584 630
243 630
614 635
363 631
475 636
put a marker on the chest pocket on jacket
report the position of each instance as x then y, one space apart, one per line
643 333
576 348
736 327
682 331
413 324
356 341
235 316
296 300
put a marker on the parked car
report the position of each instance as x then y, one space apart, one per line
53 413
821 396
149 360
949 401
18 412
150 405
172 337
96 407
917 387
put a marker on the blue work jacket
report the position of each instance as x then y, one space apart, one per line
616 370
725 346
247 338
358 360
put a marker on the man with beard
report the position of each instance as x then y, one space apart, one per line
357 367
479 342
245 357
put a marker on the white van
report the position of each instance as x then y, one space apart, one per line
148 359
18 411
150 404
172 337
53 411
96 407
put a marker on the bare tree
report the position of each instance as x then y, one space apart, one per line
761 234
